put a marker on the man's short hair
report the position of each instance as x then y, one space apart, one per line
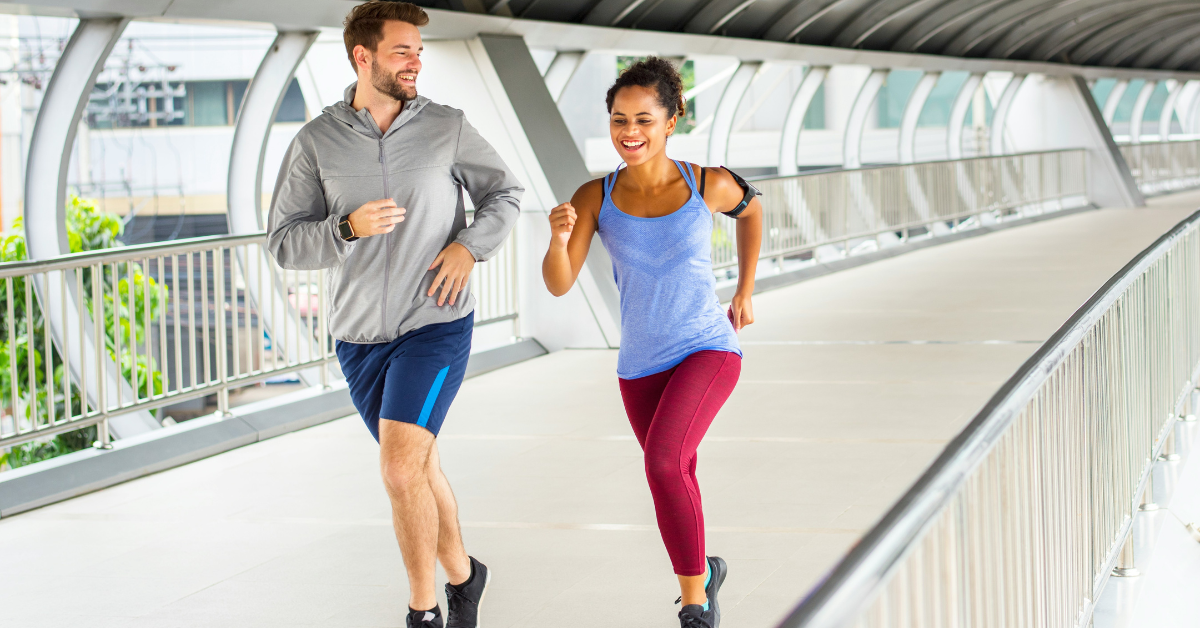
364 25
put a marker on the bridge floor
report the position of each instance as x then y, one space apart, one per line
851 385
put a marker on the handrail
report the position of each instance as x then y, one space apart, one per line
848 592
1164 166
839 212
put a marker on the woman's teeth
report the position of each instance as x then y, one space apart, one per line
632 144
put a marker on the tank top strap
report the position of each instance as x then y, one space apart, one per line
686 170
610 182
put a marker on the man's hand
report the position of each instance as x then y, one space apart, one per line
562 223
741 311
456 262
376 217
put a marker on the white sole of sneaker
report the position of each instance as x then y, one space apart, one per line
482 594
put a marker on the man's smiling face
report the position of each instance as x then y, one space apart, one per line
397 61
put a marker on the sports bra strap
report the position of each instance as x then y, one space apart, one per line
688 175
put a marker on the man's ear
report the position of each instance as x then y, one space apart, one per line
362 57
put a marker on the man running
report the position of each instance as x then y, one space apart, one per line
370 189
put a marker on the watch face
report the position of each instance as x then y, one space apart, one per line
345 230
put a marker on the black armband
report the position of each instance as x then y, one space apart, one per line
750 193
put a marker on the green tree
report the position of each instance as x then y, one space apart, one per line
88 229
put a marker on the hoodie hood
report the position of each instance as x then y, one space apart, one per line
362 121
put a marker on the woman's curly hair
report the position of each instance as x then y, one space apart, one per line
653 72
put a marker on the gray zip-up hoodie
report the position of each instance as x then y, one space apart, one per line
340 161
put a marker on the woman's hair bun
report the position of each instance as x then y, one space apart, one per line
653 72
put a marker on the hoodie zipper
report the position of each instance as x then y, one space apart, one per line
387 258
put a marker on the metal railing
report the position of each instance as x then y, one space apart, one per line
1024 516
143 327
807 211
1160 167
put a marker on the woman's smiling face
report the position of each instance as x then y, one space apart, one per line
639 124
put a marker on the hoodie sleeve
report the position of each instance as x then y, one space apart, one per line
494 191
301 231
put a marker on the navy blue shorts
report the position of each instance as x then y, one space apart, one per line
413 378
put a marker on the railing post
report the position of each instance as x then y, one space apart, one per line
221 348
1147 504
1168 453
1125 561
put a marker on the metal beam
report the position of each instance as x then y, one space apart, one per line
255 118
1139 111
794 18
1127 18
723 119
245 178
912 115
941 23
49 158
556 156
611 12
716 14
559 74
1114 100
1168 111
1000 116
793 124
958 115
856 124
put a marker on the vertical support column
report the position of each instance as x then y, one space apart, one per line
856 124
722 127
556 156
793 124
1114 100
50 146
958 115
559 74
244 191
1168 111
912 115
1139 111
1000 116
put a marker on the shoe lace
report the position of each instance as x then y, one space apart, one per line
455 600
688 620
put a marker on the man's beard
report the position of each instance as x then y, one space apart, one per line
389 84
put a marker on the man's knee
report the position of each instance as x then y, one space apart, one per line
404 455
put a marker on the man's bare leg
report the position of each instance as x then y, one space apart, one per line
450 547
404 453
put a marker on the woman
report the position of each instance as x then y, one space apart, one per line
679 358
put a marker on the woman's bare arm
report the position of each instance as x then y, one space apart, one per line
722 193
572 226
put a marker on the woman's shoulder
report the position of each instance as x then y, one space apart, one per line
721 191
589 195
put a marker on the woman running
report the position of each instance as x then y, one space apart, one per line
679 358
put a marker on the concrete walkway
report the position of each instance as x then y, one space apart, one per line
852 383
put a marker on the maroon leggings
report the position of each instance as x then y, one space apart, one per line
670 412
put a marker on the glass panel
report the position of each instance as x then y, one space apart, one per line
894 95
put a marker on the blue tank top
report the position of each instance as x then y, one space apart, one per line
663 268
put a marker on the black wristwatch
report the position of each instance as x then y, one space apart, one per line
346 231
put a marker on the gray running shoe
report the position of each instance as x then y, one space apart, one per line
463 601
719 570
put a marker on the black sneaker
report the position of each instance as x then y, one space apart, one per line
463 601
424 619
694 616
719 570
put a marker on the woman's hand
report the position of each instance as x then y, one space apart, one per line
562 223
741 311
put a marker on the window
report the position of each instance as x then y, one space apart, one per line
814 118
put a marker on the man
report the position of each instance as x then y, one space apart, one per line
371 189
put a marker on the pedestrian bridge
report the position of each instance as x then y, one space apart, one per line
853 384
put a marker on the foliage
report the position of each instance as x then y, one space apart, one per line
130 299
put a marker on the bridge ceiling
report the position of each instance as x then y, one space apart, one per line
1152 34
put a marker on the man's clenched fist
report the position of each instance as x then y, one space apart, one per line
376 217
